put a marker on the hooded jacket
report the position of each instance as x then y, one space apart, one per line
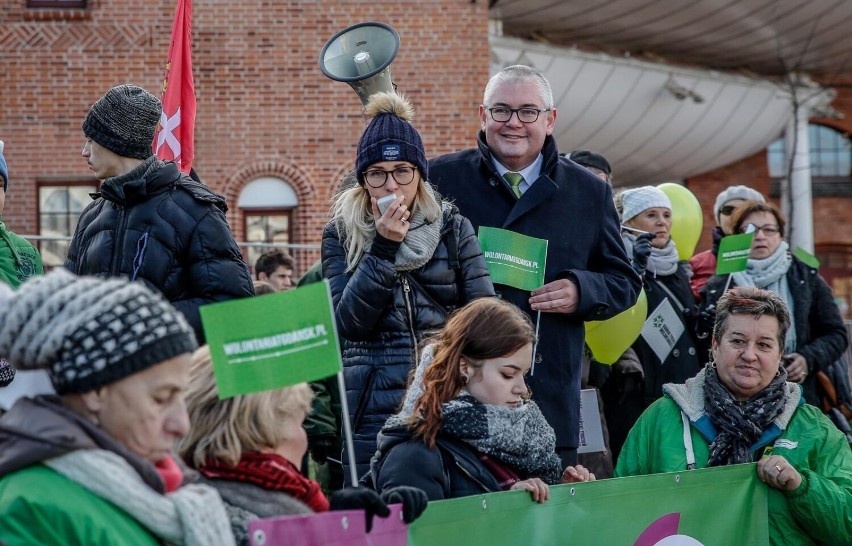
384 314
574 211
19 260
31 494
157 225
818 512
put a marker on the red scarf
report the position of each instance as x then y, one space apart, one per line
272 472
504 475
170 472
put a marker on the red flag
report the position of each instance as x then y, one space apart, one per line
174 139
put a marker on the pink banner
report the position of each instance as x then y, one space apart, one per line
343 528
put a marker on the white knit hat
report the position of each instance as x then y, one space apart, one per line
644 198
89 332
735 192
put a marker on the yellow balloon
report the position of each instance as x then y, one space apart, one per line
608 339
687 218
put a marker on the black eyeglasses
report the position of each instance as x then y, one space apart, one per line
768 229
376 178
502 114
727 210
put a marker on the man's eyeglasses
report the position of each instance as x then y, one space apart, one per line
376 178
768 229
727 210
502 114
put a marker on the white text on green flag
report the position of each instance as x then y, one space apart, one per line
272 341
513 259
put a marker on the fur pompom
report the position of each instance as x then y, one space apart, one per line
389 103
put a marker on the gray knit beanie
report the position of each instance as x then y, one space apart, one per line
736 192
390 136
124 121
644 198
89 332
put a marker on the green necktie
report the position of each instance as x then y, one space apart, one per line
514 180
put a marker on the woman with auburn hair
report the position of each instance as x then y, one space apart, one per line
249 447
467 424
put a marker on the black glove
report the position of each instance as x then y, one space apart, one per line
320 448
413 500
360 498
641 252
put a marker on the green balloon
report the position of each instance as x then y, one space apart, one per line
687 218
608 339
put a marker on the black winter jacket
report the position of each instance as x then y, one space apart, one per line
623 405
157 225
574 211
449 470
820 334
383 315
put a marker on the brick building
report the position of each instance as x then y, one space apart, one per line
272 133
266 114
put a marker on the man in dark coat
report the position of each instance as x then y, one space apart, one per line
150 222
588 275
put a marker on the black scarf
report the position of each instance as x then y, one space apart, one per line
740 424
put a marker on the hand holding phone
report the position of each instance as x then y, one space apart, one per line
384 202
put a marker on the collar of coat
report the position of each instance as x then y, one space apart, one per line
689 397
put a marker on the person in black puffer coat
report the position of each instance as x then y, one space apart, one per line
395 275
150 222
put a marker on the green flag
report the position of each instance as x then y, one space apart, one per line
806 257
712 506
733 253
513 259
272 341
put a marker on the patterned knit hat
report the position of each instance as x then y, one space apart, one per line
390 135
89 332
644 198
124 121
4 169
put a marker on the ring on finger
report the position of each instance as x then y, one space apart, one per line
778 468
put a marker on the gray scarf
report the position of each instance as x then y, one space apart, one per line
770 273
663 261
420 242
740 425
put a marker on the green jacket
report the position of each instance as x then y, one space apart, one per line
19 260
40 507
818 512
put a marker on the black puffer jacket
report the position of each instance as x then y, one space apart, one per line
160 226
820 334
447 471
384 314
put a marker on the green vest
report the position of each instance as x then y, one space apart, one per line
19 260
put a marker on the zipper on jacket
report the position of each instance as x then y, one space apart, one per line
408 305
472 477
119 239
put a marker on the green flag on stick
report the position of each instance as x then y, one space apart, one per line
272 341
513 259
733 253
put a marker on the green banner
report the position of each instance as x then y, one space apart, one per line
733 253
806 257
272 341
513 259
710 507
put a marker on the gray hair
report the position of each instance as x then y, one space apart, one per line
748 300
519 73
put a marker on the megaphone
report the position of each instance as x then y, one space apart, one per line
361 55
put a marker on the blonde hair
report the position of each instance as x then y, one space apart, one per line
352 215
224 429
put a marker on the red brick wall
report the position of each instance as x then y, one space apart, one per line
264 107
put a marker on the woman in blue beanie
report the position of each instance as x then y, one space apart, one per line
395 271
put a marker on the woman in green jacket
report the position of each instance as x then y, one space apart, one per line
93 465
742 409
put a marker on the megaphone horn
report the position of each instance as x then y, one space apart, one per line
361 55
